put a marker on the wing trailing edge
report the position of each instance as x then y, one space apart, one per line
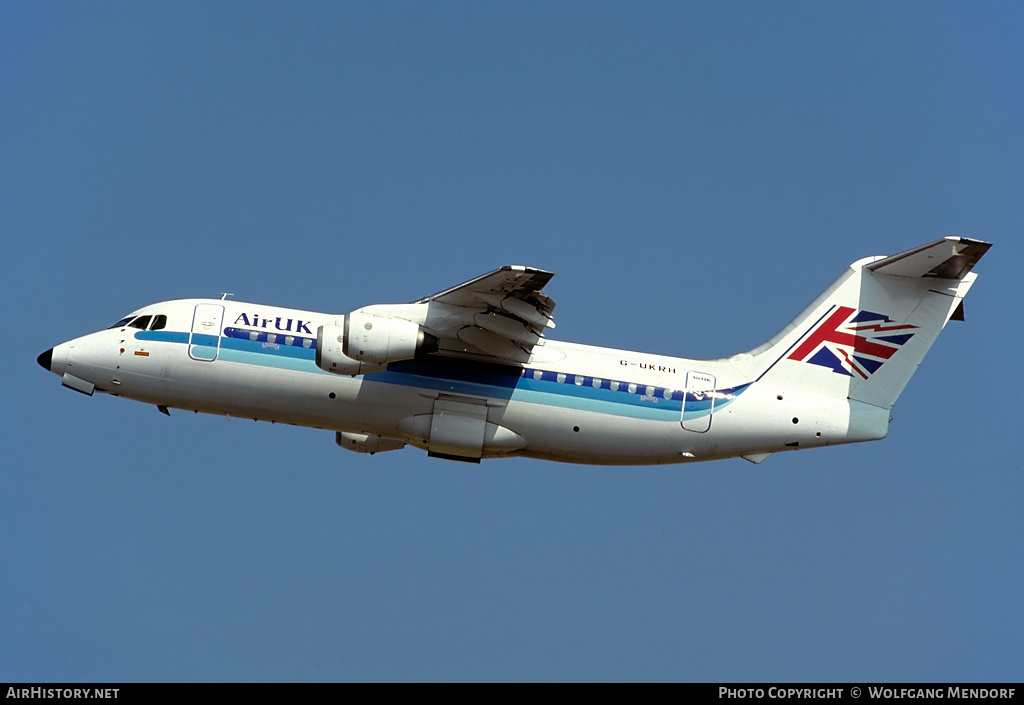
502 314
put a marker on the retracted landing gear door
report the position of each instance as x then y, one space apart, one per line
204 340
457 428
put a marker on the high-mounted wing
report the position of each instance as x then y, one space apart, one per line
502 314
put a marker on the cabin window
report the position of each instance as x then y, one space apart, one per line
579 380
649 391
597 382
123 322
632 388
614 386
560 377
289 339
159 322
141 322
538 374
668 394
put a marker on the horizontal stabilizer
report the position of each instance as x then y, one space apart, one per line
949 258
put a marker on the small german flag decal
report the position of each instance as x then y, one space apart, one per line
142 353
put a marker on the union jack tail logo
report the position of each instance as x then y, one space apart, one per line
851 342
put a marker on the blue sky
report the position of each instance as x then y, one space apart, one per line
694 174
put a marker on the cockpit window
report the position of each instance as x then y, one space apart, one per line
142 322
122 322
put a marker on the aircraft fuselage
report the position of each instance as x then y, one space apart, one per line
469 373
572 403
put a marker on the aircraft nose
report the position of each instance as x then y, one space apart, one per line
55 359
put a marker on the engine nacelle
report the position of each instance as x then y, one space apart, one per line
379 340
362 343
363 443
330 341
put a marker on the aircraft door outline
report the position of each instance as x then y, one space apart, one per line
696 399
204 338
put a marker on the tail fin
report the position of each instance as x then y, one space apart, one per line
865 336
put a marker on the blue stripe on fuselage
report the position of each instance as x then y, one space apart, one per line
457 376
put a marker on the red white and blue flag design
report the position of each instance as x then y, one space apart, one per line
851 342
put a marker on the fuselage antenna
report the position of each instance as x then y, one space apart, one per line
225 295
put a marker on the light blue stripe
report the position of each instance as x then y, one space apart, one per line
279 362
203 352
595 405
566 395
585 391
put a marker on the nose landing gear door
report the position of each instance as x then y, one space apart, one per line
698 401
204 340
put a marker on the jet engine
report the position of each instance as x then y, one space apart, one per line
361 343
365 443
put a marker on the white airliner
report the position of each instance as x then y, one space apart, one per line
468 373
